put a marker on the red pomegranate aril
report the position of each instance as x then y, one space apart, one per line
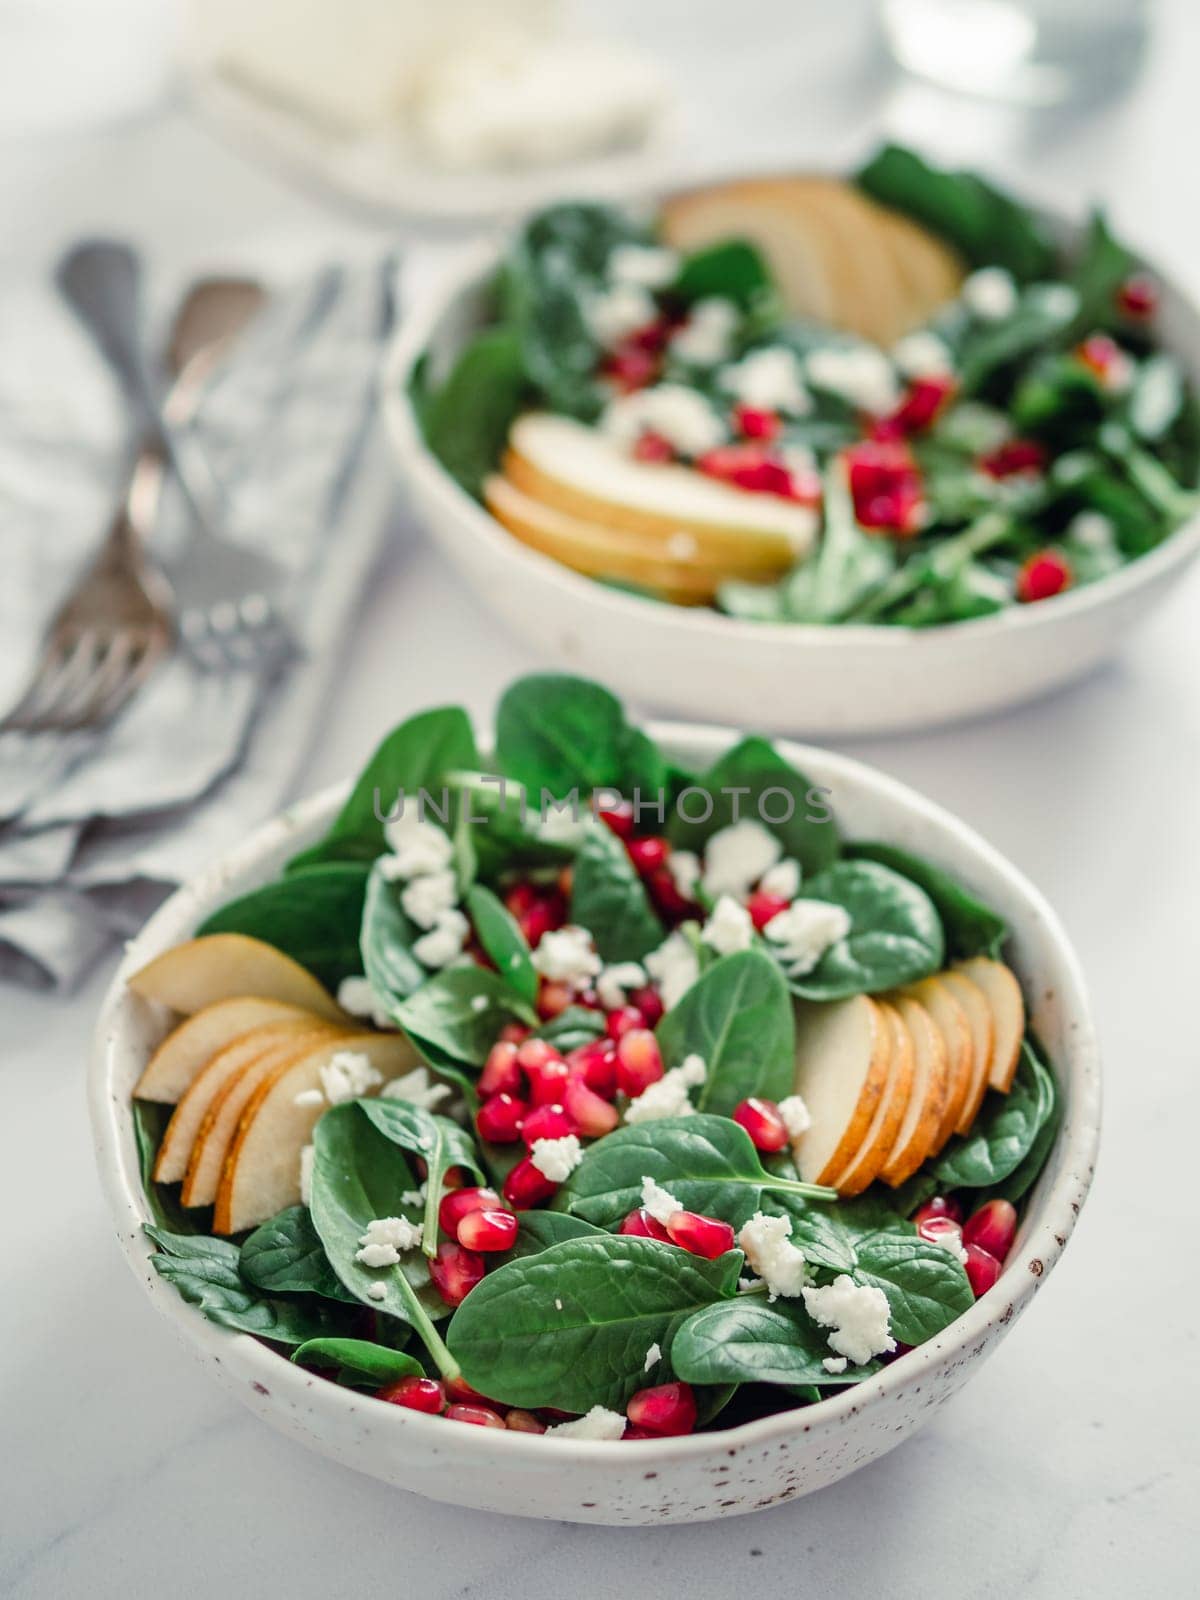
648 854
640 1224
527 1186
535 1053
648 1001
926 397
653 447
588 1112
415 1394
664 891
1016 455
501 1072
940 1205
1103 357
596 1064
885 486
639 1062
456 1205
548 912
565 882
754 422
993 1228
982 1269
1042 577
478 1416
639 1433
514 1033
619 818
703 1236
486 1231
630 367
1138 296
748 465
552 999
548 1082
455 1272
548 1122
499 1119
625 1019
518 1421
763 907
666 1410
762 1122
941 1230
459 1389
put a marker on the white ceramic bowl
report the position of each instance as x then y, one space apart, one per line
675 1480
789 677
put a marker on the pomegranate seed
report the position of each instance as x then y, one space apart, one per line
619 818
553 999
526 1186
535 1053
501 1074
993 1228
763 907
940 1205
885 485
941 1230
925 399
703 1236
664 891
630 367
587 1112
982 1270
514 1033
486 1231
653 447
499 1119
747 466
548 1083
666 1410
762 1122
455 1272
548 912
625 1019
648 1001
415 1394
459 1389
548 1122
456 1205
478 1416
566 882
596 1064
640 1224
517 1421
455 1178
639 1433
1042 577
648 854
1017 455
639 1062
753 422
1104 358
1138 296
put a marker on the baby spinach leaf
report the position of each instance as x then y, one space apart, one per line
738 1018
971 928
467 419
438 1141
753 780
1002 1135
556 733
206 1273
1025 1175
498 822
359 1361
285 1256
571 1327
733 270
708 1163
540 1229
386 942
1102 266
609 898
417 755
501 937
454 1018
847 565
150 1118
748 1340
571 1028
895 935
925 1285
313 916
829 1234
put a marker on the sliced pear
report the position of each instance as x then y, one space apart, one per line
188 1117
843 1052
928 270
1007 1006
220 966
193 1043
261 1171
869 296
881 1135
979 1019
931 1074
951 1022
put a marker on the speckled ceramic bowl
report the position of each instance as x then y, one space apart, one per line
676 1480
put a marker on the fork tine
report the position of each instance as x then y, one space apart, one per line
142 653
109 672
73 687
59 676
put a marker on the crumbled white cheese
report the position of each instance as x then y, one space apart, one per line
347 1075
796 1116
681 415
599 1423
653 1357
769 380
418 847
648 266
377 1291
674 967
782 879
356 996
659 1202
1059 301
615 982
736 857
309 1097
385 1238
684 867
803 933
923 355
859 374
834 1364
417 1088
669 1096
565 824
858 1315
729 927
768 1247
427 897
614 313
1092 530
480 1002
750 1285
557 1159
444 942
307 1156
989 294
707 336
414 1197
568 955
558 1305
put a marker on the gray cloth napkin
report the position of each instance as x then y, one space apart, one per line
111 822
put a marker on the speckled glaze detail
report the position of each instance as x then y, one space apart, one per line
676 1480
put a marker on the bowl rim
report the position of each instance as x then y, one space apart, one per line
1044 1236
469 267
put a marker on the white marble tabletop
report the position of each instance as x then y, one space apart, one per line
1069 1466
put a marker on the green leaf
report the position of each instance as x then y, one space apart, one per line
845 568
501 937
1022 1178
971 928
454 1018
386 942
556 734
415 756
437 1141
570 1327
733 270
575 1026
150 1118
285 1256
498 822
1102 266
829 1234
925 1285
738 1018
610 900
359 1361
468 416
1002 1135
540 1229
895 936
748 1340
313 916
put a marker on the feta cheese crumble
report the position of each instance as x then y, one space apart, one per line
615 982
444 942
674 967
859 374
648 266
659 1202
385 1238
309 1097
599 1423
377 1291
736 857
653 1357
782 879
347 1075
804 932
795 1114
989 294
307 1156
1092 530
669 1096
834 1364
684 867
858 1315
417 1088
417 847
769 380
678 413
427 897
557 1159
707 336
923 355
728 928
767 1244
613 314
567 955
356 996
